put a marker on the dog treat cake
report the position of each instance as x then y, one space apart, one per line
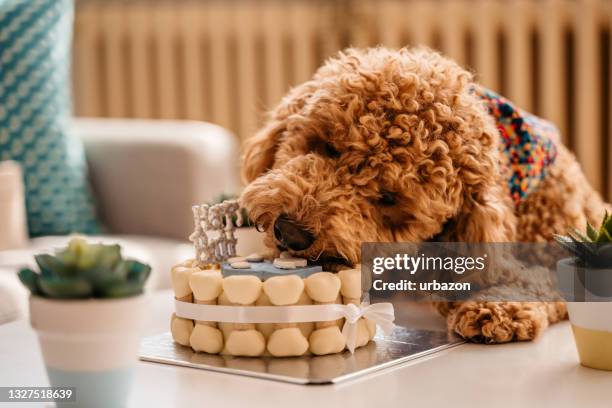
252 306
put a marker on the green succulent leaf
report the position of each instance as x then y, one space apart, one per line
138 272
109 256
594 248
84 270
578 236
30 280
607 224
591 232
65 288
51 266
604 236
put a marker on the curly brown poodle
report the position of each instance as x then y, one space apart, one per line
387 145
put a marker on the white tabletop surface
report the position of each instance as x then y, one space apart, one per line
544 373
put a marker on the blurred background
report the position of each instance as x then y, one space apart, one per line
229 61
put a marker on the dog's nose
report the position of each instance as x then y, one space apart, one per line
291 235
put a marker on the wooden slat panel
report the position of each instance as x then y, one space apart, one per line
518 56
420 22
484 19
304 16
218 25
452 31
138 30
150 81
190 16
331 29
587 136
246 13
164 33
111 17
390 22
88 87
362 15
552 76
275 80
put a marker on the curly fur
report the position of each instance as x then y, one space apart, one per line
379 121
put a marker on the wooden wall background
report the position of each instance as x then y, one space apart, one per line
227 61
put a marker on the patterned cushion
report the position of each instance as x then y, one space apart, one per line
34 112
528 142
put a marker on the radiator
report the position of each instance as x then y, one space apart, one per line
229 61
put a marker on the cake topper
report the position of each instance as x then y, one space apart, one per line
213 236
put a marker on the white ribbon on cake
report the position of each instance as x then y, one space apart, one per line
381 313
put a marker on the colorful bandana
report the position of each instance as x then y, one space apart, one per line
528 143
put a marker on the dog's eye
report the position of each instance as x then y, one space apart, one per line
331 151
387 198
325 149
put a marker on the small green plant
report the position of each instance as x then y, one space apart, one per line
593 249
83 270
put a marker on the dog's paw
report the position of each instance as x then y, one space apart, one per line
498 322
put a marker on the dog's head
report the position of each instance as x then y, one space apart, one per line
380 145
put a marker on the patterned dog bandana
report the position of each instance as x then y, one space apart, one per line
528 142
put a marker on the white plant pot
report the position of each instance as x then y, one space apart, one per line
91 345
592 327
591 321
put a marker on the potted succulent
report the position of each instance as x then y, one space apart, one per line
250 240
589 276
87 307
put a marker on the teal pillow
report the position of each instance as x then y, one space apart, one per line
35 110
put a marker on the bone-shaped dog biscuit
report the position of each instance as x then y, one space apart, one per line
371 325
206 285
265 328
241 265
327 341
284 290
329 323
206 338
255 257
181 329
307 327
206 302
351 283
242 289
287 342
180 280
248 343
227 328
363 333
322 286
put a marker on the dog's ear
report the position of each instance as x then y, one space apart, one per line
486 211
259 151
486 216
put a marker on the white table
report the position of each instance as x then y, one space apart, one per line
544 373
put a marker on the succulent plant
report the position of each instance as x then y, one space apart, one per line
594 248
83 270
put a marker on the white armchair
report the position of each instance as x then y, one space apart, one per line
145 175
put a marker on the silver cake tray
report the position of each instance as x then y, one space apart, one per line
385 351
